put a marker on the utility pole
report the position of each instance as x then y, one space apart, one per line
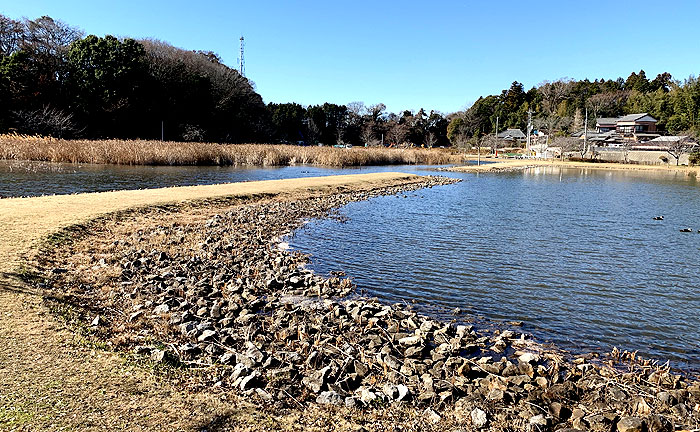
529 129
585 133
241 61
162 130
495 135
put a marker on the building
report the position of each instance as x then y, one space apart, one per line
512 135
636 123
606 124
640 127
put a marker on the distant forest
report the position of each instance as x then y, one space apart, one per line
56 81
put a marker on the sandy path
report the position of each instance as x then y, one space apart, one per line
54 379
511 164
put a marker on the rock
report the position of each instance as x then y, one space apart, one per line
161 309
538 420
630 424
391 391
558 411
659 423
228 358
316 380
410 340
366 395
431 415
136 315
528 358
404 392
495 395
207 335
96 321
249 382
330 398
479 419
159 356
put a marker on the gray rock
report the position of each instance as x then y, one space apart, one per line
431 415
330 398
249 382
391 391
479 419
207 335
630 424
316 380
538 420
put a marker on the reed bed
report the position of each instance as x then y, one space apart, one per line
143 152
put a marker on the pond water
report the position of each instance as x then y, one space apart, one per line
23 178
574 254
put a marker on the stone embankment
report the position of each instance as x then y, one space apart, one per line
218 294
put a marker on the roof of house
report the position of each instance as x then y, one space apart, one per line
607 120
636 117
668 139
511 133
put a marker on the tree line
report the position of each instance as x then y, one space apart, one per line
56 81
558 107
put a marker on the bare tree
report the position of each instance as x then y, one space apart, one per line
397 134
430 140
569 144
376 111
609 103
367 134
50 37
680 146
46 121
553 93
11 35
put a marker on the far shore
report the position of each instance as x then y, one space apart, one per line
498 165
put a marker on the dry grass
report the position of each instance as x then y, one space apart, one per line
142 152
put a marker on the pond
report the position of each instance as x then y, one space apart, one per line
573 254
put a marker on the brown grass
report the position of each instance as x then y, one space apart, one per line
142 152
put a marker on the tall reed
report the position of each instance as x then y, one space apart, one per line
142 152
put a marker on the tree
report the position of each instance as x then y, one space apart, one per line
12 34
679 147
106 75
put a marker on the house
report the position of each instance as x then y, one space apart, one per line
512 135
640 127
606 124
633 124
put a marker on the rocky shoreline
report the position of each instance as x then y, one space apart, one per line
216 293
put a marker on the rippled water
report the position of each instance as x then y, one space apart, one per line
573 254
23 178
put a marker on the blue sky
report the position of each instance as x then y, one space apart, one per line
438 55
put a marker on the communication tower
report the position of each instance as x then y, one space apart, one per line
241 61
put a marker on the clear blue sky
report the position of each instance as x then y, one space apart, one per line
437 55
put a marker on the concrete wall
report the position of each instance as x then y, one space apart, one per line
642 157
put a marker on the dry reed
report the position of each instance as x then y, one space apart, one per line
143 152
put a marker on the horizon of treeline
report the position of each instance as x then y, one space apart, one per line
56 81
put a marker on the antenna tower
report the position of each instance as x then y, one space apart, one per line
241 61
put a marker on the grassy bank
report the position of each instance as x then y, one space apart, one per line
142 152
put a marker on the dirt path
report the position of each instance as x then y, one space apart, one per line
53 379
513 164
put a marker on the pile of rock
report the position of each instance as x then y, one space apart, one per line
223 293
